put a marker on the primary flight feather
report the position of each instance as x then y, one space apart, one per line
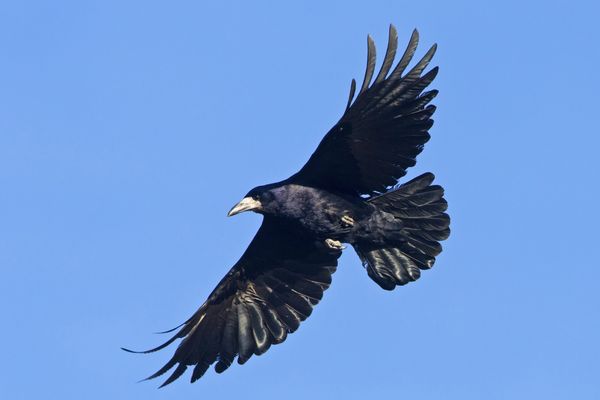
345 193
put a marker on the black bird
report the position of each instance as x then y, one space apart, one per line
343 194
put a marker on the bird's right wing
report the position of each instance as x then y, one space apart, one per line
383 129
265 296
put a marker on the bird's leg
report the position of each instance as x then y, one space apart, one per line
347 221
334 244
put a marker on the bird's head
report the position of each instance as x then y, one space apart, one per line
261 199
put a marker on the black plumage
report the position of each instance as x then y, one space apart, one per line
343 194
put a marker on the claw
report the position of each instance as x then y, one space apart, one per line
334 244
347 220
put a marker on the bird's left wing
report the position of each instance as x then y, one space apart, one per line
382 130
265 296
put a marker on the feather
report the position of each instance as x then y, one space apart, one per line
351 96
245 340
176 374
371 57
259 331
199 370
390 54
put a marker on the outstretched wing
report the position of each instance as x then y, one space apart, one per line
382 131
265 296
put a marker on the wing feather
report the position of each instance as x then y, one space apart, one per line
371 58
390 54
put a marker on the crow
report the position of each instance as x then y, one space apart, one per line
347 192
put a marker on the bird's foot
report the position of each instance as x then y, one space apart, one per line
347 221
334 244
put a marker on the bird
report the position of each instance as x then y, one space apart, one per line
348 192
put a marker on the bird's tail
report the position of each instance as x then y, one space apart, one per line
420 206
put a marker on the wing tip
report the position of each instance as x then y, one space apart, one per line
371 59
131 351
414 35
176 374
351 95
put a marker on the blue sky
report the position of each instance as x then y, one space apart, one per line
128 130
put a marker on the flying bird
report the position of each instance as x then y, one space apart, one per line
347 193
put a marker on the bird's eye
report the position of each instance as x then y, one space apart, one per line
266 197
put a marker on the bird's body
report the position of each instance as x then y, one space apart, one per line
347 192
322 214
319 212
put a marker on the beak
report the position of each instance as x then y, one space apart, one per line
247 204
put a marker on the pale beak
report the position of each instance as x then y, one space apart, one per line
247 204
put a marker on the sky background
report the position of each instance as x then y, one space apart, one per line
128 130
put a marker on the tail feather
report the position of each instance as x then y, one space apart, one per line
421 208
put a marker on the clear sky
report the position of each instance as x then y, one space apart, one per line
128 130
